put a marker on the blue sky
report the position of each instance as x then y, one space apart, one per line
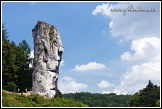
104 51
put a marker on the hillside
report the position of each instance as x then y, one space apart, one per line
146 97
100 100
34 100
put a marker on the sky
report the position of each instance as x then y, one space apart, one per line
105 51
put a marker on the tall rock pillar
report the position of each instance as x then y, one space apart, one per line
48 51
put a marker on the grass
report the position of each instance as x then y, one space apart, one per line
35 100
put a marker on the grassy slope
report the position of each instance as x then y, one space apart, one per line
15 100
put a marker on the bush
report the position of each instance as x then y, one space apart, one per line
11 86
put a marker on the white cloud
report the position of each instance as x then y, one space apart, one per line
111 24
116 91
145 56
62 63
30 65
137 77
106 92
144 59
89 66
134 24
32 54
143 49
126 56
104 84
69 85
67 78
103 9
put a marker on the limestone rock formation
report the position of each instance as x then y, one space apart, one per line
48 51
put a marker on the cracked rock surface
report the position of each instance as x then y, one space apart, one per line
48 51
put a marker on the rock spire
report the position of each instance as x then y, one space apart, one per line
48 51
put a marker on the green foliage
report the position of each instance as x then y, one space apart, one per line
100 100
25 47
59 94
24 72
135 100
11 86
9 100
15 64
158 103
4 32
34 100
146 97
9 69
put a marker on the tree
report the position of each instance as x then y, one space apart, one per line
15 64
59 94
9 69
100 100
150 85
135 100
146 97
4 32
15 68
25 47
22 61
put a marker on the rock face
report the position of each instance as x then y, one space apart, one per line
48 51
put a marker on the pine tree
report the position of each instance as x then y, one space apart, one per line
4 32
146 97
15 64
